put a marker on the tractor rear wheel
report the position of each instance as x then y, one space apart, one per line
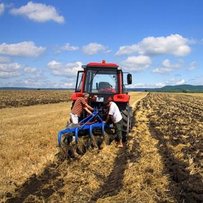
127 122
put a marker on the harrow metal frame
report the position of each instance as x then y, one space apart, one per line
85 124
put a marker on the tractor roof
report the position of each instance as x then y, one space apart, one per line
102 64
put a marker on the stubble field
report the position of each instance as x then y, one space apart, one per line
162 161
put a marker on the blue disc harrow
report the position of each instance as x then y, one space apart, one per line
70 136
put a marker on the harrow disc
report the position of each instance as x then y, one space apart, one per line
81 147
66 148
107 139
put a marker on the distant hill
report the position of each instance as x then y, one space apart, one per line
176 88
182 88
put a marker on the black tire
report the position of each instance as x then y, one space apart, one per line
127 122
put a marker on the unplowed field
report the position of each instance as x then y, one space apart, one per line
161 162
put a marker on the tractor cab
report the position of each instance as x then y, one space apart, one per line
101 80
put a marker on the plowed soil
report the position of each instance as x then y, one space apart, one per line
17 98
161 162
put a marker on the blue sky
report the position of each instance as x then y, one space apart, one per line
44 43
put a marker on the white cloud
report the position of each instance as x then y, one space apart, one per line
2 7
180 82
173 44
30 70
173 81
160 84
147 85
128 50
30 82
139 85
38 12
94 48
26 48
68 47
68 69
70 83
167 66
8 70
136 63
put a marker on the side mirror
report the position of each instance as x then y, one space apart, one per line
129 78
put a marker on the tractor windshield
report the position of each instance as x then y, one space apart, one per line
101 81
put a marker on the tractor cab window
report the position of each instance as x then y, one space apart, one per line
79 81
101 81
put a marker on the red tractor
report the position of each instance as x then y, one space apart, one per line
102 80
